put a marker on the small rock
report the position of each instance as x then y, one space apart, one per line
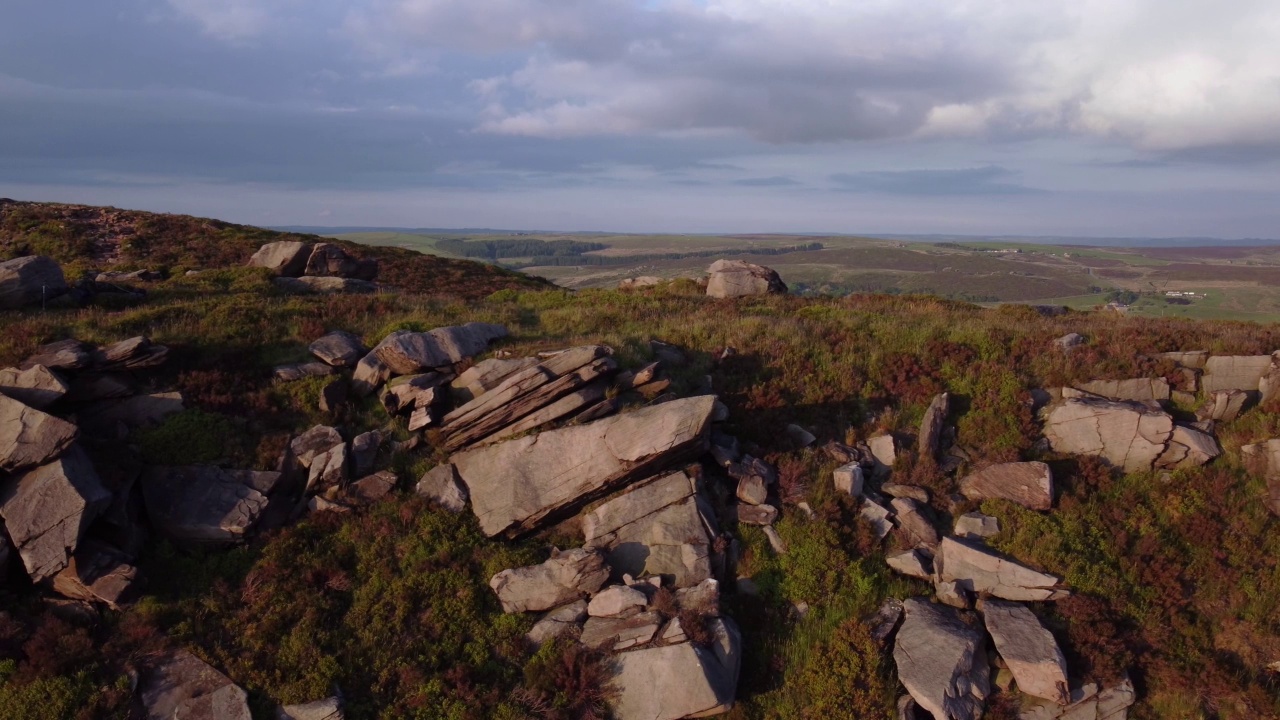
316 441
878 515
339 349
616 600
30 437
286 258
329 469
916 528
912 563
333 395
775 540
736 278
557 622
913 492
885 621
301 371
848 479
569 575
755 514
327 709
37 386
620 633
1029 484
976 525
372 488
364 452
440 485
885 453
180 685
931 427
751 490
1068 341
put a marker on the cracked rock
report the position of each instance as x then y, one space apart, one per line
1029 649
568 576
1128 435
978 570
942 661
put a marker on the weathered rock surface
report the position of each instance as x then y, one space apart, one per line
1234 372
616 600
327 709
557 622
1029 649
364 452
330 469
441 485
735 278
328 259
371 488
1223 405
70 354
1188 447
912 563
884 452
878 516
1130 436
1131 389
407 352
98 573
848 479
30 437
1087 703
47 509
1029 484
976 525
338 348
287 258
567 576
310 284
754 514
914 526
29 281
1194 359
620 633
368 375
486 375
36 387
316 441
931 426
976 569
942 661
301 371
180 686
518 484
1070 340
654 528
135 353
200 504
885 621
679 681
913 492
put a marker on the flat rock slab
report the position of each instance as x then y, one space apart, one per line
181 686
440 485
1130 436
655 527
1234 372
517 485
200 504
567 576
338 348
1131 389
942 661
411 352
48 509
679 681
486 375
30 437
1029 649
36 387
1030 484
979 570
620 633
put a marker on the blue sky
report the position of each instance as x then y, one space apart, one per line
1123 117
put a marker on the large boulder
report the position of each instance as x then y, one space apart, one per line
287 258
567 576
48 509
30 437
1029 649
37 386
29 281
338 348
517 485
942 661
181 686
735 278
1128 435
679 681
328 259
1234 372
1029 484
654 528
976 569
407 352
201 504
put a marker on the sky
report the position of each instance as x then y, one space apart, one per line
1088 117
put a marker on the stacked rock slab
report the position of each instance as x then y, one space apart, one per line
1140 389
942 661
517 485
735 278
655 527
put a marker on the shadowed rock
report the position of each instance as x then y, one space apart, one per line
735 278
287 258
1030 484
200 504
36 387
29 281
338 348
29 437
68 354
515 486
1087 703
47 509
180 686
557 622
407 352
679 681
440 485
1188 447
327 709
567 576
942 661
931 426
1029 649
98 573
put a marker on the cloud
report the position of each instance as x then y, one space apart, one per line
989 180
232 20
775 181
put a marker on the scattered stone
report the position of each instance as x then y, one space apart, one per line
878 516
557 622
1130 436
319 504
800 436
29 437
327 709
754 514
516 485
1029 484
1188 447
976 525
735 278
653 528
325 285
37 386
200 504
180 686
1029 649
1068 341
673 633
369 374
752 490
1223 405
616 600
775 540
135 353
885 621
287 258
47 509
639 282
372 488
914 492
569 575
316 441
1086 704
848 479
441 486
978 570
942 661
679 681
329 469
703 598
951 594
338 348
364 452
98 573
1133 389
620 633
912 563
935 419
486 375
414 391
916 528
884 451
407 352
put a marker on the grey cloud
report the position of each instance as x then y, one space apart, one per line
775 181
989 180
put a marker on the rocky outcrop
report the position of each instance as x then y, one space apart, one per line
735 278
487 375
1234 372
932 425
29 281
180 686
200 504
914 526
1087 703
654 528
567 576
1029 484
942 661
287 258
1133 389
48 509
338 348
976 569
67 354
30 437
405 352
516 485
1130 436
36 387
679 681
1029 649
